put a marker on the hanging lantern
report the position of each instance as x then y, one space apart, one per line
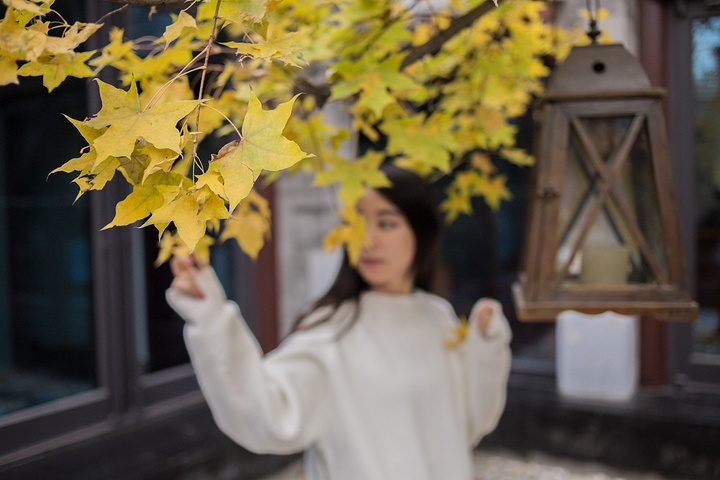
603 231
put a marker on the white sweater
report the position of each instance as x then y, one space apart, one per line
385 399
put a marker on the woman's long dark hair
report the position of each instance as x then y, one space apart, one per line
415 198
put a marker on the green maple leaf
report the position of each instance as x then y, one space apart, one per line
55 70
262 147
127 122
354 177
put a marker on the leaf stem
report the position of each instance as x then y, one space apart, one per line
211 41
225 117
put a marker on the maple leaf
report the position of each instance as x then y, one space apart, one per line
457 202
173 31
116 52
424 140
236 10
351 233
127 122
98 177
189 211
141 202
278 45
494 190
459 334
8 70
171 245
354 177
373 80
249 225
483 163
262 147
16 41
213 180
517 156
57 68
71 38
37 7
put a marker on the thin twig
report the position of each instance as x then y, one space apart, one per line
211 41
117 10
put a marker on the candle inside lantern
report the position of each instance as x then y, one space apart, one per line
604 265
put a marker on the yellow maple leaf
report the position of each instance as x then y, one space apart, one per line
424 140
71 38
8 70
373 81
57 68
459 333
518 156
173 31
189 210
213 180
140 203
98 177
354 176
278 44
235 10
87 160
350 233
482 163
249 225
457 202
116 52
262 147
127 122
172 246
494 190
37 7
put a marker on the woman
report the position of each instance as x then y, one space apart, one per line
366 383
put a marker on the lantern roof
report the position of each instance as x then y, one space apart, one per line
596 67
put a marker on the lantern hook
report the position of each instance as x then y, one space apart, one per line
593 14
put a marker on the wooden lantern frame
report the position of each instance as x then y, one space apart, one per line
584 87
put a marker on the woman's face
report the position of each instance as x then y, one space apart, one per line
386 263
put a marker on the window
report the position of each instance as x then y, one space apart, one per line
47 347
694 95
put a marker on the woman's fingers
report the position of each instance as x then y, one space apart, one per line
482 314
184 270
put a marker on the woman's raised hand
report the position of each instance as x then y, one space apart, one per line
185 269
482 314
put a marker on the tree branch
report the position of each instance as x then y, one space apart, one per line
150 3
432 46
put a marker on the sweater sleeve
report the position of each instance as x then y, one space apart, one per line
486 360
268 404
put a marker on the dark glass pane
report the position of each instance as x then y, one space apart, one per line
47 346
706 77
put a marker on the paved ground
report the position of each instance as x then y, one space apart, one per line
501 465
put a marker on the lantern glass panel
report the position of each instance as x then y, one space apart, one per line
609 229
